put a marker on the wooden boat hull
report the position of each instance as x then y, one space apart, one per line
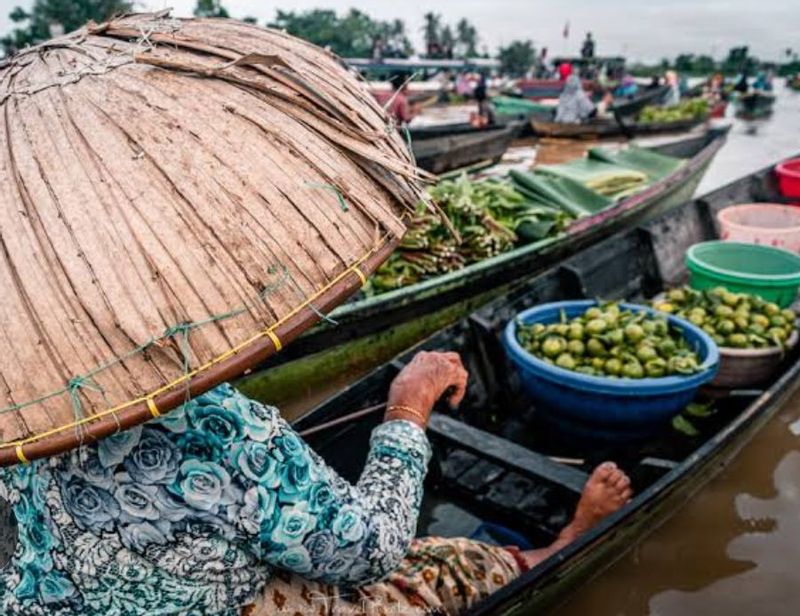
373 330
552 582
451 129
610 128
754 105
634 263
434 131
632 106
440 154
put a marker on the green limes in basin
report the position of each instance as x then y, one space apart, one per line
609 341
733 320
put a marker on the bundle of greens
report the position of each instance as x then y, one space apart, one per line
685 110
491 218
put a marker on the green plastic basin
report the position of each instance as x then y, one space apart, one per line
772 273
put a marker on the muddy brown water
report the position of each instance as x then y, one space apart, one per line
733 549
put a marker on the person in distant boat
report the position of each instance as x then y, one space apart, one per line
400 109
574 105
763 83
627 88
219 508
587 50
485 114
544 68
463 85
716 85
565 69
742 86
674 94
655 82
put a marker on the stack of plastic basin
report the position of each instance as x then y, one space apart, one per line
788 173
772 273
768 224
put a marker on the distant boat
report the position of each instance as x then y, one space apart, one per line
754 105
611 128
439 153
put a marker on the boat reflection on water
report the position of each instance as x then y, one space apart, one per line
732 550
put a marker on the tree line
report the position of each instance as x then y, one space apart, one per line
351 34
737 61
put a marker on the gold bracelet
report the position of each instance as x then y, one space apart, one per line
410 411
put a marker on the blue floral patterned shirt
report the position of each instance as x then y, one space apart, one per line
190 513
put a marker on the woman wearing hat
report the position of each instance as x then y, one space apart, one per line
163 233
207 509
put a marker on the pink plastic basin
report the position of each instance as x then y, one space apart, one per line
768 224
789 178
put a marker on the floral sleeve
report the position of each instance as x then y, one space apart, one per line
310 521
192 511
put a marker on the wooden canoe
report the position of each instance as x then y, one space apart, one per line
626 107
439 154
754 105
369 331
497 461
611 128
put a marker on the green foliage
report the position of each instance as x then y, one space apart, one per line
517 58
466 39
432 28
690 63
39 23
210 8
442 42
737 60
352 35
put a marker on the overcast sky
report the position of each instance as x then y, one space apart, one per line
639 29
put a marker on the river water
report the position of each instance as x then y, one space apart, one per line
735 547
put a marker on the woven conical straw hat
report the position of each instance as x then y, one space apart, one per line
179 199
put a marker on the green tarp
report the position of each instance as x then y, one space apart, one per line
509 105
605 178
561 192
656 166
589 185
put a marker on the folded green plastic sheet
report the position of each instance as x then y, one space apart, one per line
608 179
656 166
561 192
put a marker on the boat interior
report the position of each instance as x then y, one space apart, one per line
501 470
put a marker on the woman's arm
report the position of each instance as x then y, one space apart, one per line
313 522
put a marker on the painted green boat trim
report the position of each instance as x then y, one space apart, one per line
299 385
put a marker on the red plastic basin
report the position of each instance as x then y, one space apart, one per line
789 178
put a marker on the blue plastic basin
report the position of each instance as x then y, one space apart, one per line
614 405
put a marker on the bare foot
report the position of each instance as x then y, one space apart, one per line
607 490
